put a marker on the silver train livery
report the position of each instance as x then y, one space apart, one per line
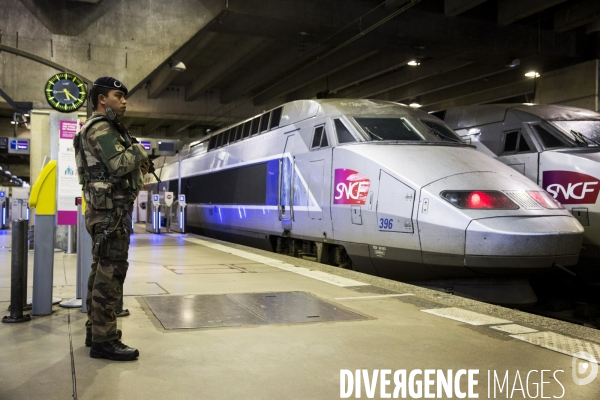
378 187
557 147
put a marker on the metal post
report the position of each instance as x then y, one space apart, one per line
43 265
179 174
84 247
76 301
80 227
18 290
70 239
25 249
31 235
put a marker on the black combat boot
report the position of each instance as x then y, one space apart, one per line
122 313
119 311
114 350
88 336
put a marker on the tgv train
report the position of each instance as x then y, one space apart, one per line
557 147
379 187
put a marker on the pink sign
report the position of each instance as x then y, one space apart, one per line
350 187
68 182
68 129
571 187
66 217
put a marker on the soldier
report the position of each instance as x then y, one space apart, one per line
111 172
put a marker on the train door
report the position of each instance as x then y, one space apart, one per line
286 188
393 231
395 202
517 150
315 165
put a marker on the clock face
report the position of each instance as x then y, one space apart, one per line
65 92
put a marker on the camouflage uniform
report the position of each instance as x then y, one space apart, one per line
111 178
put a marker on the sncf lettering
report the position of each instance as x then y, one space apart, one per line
352 190
350 187
569 192
571 187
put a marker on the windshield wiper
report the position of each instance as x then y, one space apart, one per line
442 136
371 133
581 138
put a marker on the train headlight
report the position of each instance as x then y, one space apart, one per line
544 199
479 199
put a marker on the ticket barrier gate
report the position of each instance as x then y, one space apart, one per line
161 209
19 209
4 202
153 217
178 215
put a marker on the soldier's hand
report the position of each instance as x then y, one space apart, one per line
144 167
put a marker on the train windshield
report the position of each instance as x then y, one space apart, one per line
405 129
583 133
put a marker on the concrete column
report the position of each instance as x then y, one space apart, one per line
40 141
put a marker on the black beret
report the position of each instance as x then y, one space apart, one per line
110 83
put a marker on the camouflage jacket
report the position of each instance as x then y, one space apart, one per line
113 170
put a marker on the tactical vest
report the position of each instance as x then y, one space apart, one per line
100 188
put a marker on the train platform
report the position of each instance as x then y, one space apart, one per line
215 320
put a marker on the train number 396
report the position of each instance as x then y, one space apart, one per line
386 223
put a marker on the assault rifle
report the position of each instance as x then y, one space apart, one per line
129 140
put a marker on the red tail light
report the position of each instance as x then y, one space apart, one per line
479 199
544 199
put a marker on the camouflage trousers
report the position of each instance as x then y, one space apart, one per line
109 268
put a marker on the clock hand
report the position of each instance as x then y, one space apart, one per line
69 94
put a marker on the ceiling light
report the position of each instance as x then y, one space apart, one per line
413 63
514 63
414 105
532 74
177 66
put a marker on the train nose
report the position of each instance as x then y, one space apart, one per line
522 244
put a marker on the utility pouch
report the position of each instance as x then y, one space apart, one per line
116 249
101 195
98 250
81 165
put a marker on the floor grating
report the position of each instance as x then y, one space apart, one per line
221 310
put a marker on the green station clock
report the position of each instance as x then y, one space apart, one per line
65 92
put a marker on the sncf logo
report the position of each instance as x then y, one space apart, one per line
571 187
350 187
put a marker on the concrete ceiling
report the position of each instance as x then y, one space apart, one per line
265 52
251 55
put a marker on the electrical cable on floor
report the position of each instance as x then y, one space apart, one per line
330 52
73 375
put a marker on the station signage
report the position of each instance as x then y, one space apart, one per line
146 144
18 146
68 181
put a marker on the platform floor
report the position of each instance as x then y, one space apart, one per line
248 324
